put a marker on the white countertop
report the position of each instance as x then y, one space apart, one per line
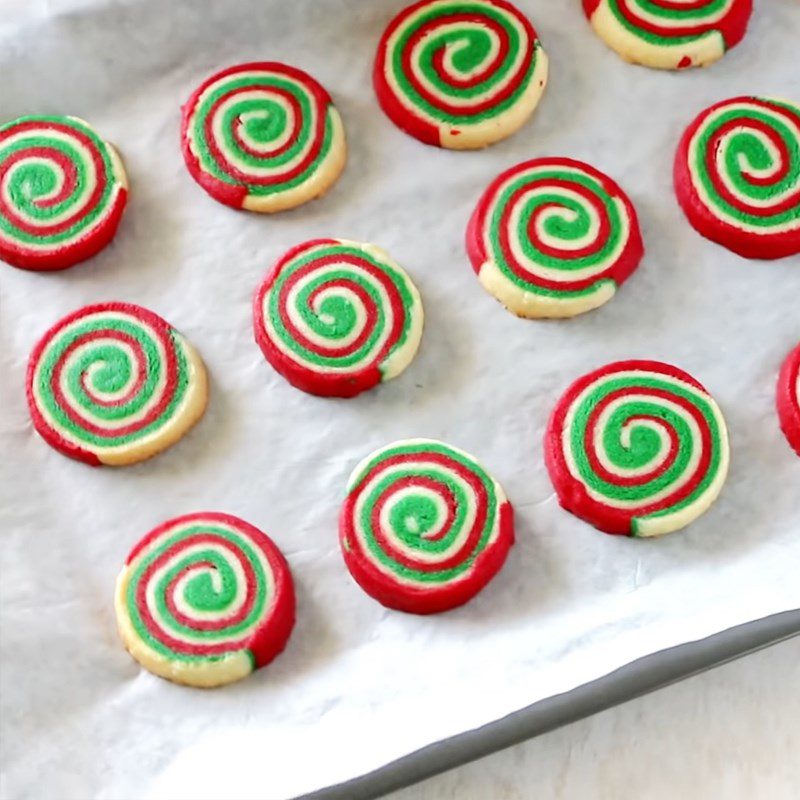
729 733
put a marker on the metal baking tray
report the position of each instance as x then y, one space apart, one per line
633 680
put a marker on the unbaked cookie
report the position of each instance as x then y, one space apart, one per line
737 176
670 34
424 527
204 600
460 74
62 192
336 318
263 136
553 237
788 398
637 448
114 384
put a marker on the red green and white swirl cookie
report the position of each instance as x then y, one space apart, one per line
788 398
424 527
62 192
460 74
637 448
737 176
336 318
204 600
553 237
114 384
670 34
263 136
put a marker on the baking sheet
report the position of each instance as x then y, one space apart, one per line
640 677
358 685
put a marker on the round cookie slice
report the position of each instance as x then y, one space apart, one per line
62 192
737 176
553 237
114 384
424 527
336 318
204 600
263 136
460 74
637 448
788 398
670 34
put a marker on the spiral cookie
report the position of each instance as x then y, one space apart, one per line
553 237
336 318
204 600
788 398
670 34
263 136
62 192
637 448
460 73
424 527
114 384
737 176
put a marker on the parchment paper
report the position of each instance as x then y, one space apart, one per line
359 685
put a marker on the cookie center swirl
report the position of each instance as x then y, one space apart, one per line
205 586
263 125
636 438
338 311
43 182
39 183
419 513
562 225
460 55
754 161
105 372
466 54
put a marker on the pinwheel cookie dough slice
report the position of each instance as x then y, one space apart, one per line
424 527
62 192
114 384
336 318
737 176
666 34
553 237
637 448
204 600
788 398
460 74
263 136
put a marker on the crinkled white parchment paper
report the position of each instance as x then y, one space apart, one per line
358 685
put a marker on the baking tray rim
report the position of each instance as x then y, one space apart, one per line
637 678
